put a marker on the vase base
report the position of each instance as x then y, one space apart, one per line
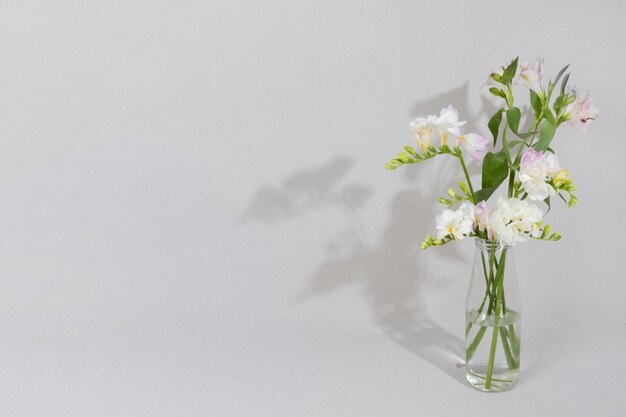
499 383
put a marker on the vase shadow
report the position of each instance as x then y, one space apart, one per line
391 271
428 340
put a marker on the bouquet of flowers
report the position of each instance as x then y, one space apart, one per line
524 158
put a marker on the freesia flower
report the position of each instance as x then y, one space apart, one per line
581 111
530 155
449 120
445 125
536 169
457 224
448 123
423 129
482 214
514 221
473 144
467 211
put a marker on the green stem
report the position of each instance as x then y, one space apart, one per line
511 182
515 345
507 348
482 304
469 352
459 154
491 286
493 379
492 355
505 144
494 337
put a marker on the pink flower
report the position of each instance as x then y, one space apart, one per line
482 218
490 81
582 111
530 78
474 144
530 155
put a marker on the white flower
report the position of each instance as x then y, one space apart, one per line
514 220
423 129
467 211
448 120
445 125
456 224
536 187
536 169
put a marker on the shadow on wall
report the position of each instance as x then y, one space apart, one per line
389 270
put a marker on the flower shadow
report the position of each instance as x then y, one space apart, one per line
391 271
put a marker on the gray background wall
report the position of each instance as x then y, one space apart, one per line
195 220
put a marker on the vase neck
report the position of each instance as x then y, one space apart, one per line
490 245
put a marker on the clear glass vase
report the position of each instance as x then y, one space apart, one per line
492 330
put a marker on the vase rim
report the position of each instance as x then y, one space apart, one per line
490 244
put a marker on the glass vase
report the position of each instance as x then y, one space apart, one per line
492 330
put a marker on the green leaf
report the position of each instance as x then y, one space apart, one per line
497 92
494 125
535 102
547 114
547 201
524 135
495 171
558 104
558 76
509 72
545 135
564 83
484 194
512 117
